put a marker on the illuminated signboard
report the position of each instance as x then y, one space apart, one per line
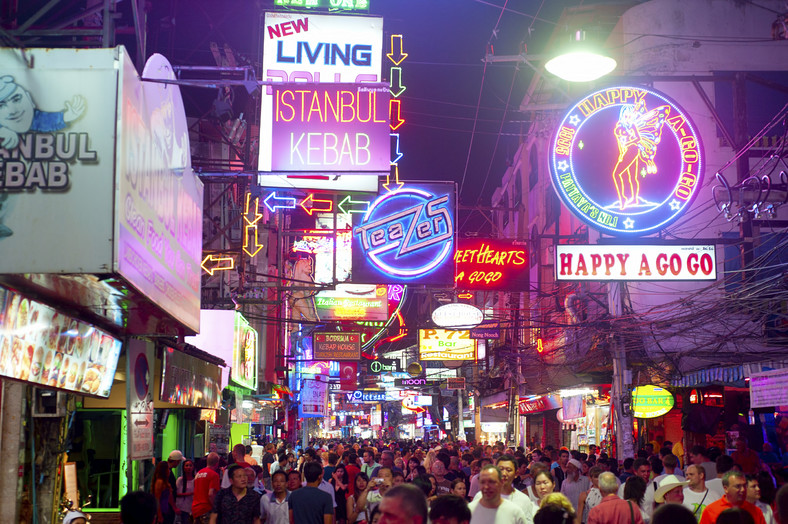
309 48
457 315
331 5
444 344
244 370
416 381
491 264
331 127
189 381
43 346
367 396
336 346
349 302
608 262
627 160
407 236
651 401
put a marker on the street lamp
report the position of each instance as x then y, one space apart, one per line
580 62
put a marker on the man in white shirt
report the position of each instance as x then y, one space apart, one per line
574 484
369 463
273 506
507 467
490 507
696 495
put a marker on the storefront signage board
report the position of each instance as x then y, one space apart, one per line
331 127
415 382
486 331
349 302
299 47
245 351
651 401
383 365
769 389
407 236
444 344
491 264
337 345
189 381
635 262
159 198
527 406
43 346
457 316
314 398
367 396
140 360
627 160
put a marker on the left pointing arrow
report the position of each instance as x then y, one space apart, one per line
273 202
213 263
313 205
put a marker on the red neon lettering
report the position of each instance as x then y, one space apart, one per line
675 264
581 266
644 267
609 261
692 263
623 259
596 263
287 28
662 264
706 264
566 264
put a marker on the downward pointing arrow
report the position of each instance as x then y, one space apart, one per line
396 88
395 107
396 55
388 184
396 154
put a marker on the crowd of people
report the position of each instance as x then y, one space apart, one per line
455 483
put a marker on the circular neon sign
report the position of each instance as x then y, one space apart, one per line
627 160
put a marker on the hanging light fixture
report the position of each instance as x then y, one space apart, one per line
579 61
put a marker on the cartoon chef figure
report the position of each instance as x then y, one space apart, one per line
19 115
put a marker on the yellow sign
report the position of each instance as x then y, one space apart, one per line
446 344
651 401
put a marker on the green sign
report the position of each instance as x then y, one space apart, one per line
331 5
651 401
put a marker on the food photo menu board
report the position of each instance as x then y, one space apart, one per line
42 346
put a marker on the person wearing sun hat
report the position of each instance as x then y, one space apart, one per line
670 490
75 517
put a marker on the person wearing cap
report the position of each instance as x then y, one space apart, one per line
173 461
19 115
574 484
75 517
735 486
670 490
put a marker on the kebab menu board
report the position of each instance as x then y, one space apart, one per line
43 346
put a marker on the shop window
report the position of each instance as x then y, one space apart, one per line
95 445
533 161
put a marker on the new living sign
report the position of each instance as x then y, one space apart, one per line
310 49
407 237
627 160
92 157
636 262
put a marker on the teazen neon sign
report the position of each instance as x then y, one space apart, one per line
491 264
407 236
627 160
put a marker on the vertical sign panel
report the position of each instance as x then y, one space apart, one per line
139 399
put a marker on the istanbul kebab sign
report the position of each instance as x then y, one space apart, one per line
627 160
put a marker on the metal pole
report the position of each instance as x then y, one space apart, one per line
622 380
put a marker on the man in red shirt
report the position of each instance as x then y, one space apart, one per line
206 486
747 459
613 509
735 485
352 470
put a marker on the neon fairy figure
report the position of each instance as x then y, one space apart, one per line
637 132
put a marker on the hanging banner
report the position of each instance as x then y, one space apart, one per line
769 389
140 359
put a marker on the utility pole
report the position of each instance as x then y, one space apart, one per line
622 381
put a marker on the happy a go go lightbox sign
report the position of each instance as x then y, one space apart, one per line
407 236
627 160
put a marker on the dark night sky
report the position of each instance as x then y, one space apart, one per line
446 41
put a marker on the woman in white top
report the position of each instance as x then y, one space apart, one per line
184 492
590 498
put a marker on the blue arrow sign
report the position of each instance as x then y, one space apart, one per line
396 154
279 202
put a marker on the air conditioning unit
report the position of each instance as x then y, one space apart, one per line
48 403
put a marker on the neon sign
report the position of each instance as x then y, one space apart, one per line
627 160
330 127
645 263
407 236
491 264
214 263
396 55
444 344
331 5
251 245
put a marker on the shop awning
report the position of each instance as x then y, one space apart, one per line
725 375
